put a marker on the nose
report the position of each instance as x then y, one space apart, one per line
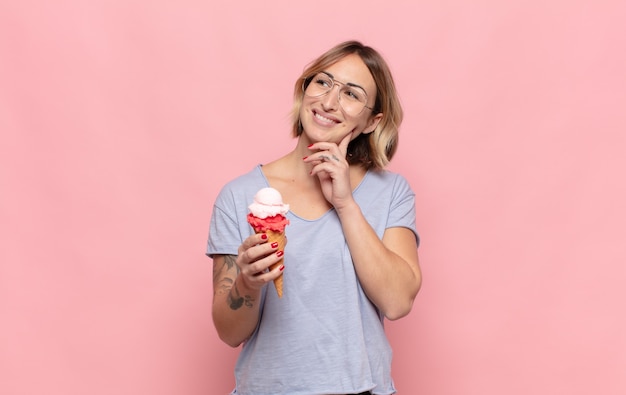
330 101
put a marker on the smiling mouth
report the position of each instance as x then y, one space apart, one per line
323 118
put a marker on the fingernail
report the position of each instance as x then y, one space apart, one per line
264 236
282 267
279 253
309 146
305 158
274 245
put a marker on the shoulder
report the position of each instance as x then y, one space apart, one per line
242 188
383 187
389 180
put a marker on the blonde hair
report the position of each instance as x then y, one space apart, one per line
373 150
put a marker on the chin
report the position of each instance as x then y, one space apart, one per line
315 135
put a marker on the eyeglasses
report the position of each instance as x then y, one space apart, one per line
351 96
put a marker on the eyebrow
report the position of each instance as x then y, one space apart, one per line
345 83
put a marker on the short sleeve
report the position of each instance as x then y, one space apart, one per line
402 209
228 227
224 235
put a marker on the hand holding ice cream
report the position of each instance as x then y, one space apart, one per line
267 215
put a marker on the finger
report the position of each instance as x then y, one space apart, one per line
260 265
257 238
322 157
268 276
322 170
321 146
332 150
343 145
254 248
328 157
276 272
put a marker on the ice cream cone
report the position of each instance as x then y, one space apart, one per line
278 237
267 215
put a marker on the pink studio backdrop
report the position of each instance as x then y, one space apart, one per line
120 121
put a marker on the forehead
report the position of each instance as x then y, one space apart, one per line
352 69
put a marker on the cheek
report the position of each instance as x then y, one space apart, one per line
360 123
306 103
307 100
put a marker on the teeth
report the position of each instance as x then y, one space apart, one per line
318 116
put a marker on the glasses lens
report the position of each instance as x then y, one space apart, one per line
351 98
319 85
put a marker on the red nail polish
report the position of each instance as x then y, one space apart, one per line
279 253
274 245
264 236
282 267
309 146
305 158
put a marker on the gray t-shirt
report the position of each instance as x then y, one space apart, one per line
324 336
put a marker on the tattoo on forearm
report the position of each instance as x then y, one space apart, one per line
230 261
224 276
235 300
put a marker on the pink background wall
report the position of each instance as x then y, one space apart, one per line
120 120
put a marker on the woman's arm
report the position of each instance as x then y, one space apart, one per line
237 284
235 308
388 269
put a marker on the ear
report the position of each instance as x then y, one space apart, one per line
372 123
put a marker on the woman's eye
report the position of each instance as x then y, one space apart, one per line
353 95
322 82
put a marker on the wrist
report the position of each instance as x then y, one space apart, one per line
243 286
348 209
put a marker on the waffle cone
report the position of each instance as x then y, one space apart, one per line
278 237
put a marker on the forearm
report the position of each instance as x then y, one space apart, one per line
388 269
235 307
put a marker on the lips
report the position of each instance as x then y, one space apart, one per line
325 119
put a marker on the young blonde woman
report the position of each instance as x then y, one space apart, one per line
351 260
